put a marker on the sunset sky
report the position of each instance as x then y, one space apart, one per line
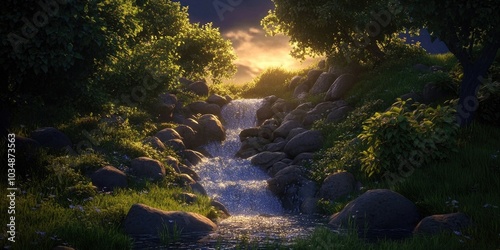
239 21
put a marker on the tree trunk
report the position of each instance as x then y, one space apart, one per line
474 73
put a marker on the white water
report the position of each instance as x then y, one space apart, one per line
238 184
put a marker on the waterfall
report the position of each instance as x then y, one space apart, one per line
238 184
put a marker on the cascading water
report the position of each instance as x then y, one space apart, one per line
256 214
239 185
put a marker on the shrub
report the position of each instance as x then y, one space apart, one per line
272 81
402 139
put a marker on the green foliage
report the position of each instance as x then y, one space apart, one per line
339 29
402 139
273 81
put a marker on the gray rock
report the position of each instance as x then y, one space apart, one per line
217 99
435 224
167 134
183 169
309 141
300 89
338 114
211 129
249 132
309 206
340 87
219 206
294 82
295 115
165 112
265 112
173 163
285 128
323 83
192 123
267 159
108 178
195 186
193 156
302 159
147 168
312 77
188 136
246 153
275 147
51 138
175 144
155 143
278 166
204 108
199 88
145 220
378 213
188 198
294 132
291 175
337 185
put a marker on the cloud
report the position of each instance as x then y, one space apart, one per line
257 52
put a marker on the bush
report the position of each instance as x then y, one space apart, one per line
273 81
402 139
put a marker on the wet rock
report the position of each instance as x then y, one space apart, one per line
377 214
211 129
51 138
195 186
204 108
284 178
193 156
219 206
145 220
217 99
183 169
144 167
309 141
267 159
435 224
108 178
249 132
337 185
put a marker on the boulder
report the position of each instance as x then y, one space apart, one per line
278 166
168 99
199 88
218 100
275 147
193 156
295 115
145 167
294 82
285 128
323 83
176 144
267 159
300 89
204 108
192 123
51 138
249 132
434 224
378 213
195 186
291 175
294 132
337 185
302 159
219 206
165 112
265 112
312 77
211 129
338 114
108 178
173 163
308 141
340 87
188 136
154 142
167 134
145 220
183 169
184 81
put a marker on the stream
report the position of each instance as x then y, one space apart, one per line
256 214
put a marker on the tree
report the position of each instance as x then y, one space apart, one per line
343 29
471 30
